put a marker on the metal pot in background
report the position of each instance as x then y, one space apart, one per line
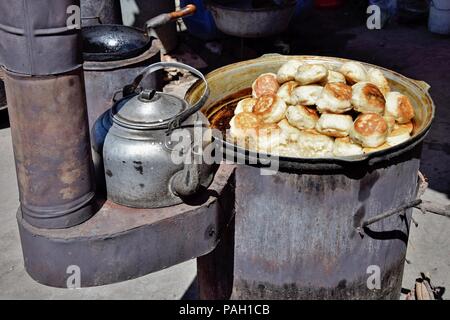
101 11
134 138
246 19
412 11
439 18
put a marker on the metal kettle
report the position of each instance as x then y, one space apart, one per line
151 143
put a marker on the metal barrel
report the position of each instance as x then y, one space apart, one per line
35 37
298 234
51 146
101 12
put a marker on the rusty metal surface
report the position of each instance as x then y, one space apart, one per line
103 79
121 243
34 38
215 270
240 19
296 233
101 12
235 78
51 147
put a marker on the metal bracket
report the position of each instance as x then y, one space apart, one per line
120 243
423 206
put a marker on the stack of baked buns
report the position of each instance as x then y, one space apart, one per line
311 110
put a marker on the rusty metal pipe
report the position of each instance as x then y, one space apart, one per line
36 39
47 109
51 146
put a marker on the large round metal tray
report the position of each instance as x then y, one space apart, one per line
234 78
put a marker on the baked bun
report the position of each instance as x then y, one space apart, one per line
270 108
367 98
399 107
313 144
287 92
290 132
334 125
345 147
266 83
400 134
244 129
369 130
334 76
288 71
269 137
243 124
390 121
409 126
248 130
335 98
307 95
287 150
302 117
311 73
353 72
245 105
379 148
377 77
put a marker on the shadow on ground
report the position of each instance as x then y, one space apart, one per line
4 119
192 292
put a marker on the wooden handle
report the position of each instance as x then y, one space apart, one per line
190 9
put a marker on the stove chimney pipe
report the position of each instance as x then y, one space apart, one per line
41 57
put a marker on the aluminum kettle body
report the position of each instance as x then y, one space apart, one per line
154 166
140 170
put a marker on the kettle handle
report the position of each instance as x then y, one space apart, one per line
176 122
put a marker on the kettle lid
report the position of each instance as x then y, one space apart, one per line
149 109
